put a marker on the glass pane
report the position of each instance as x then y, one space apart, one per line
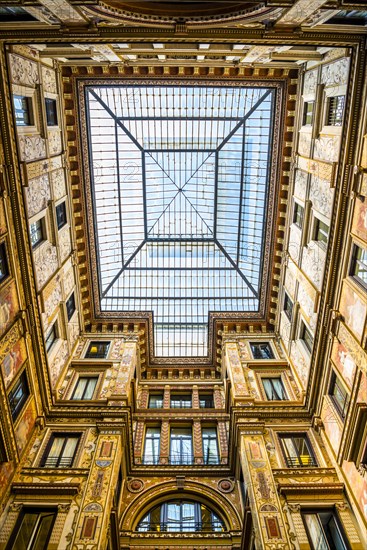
315 532
43 532
332 531
80 388
91 385
69 451
25 532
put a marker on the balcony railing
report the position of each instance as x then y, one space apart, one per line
303 461
180 526
148 459
184 459
58 462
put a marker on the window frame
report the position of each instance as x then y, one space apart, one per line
307 343
84 377
335 382
352 266
298 216
255 344
301 463
155 395
306 113
98 355
182 459
317 231
215 459
42 230
156 437
181 398
337 522
66 435
287 300
69 313
33 95
51 122
49 344
282 384
4 262
35 531
29 110
333 116
17 405
207 397
61 219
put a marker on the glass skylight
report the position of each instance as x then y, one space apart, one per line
179 181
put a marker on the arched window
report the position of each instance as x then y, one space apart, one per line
180 516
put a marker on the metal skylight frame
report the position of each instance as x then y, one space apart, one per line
234 148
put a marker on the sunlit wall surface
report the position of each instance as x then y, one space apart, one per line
180 178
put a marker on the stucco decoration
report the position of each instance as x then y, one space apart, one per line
327 148
49 80
299 362
332 423
300 184
307 305
304 143
291 279
135 485
354 310
13 361
285 327
313 263
58 183
25 426
45 259
9 306
38 195
73 329
52 297
321 169
64 242
54 142
58 362
68 279
321 196
31 147
294 244
310 83
335 73
359 226
344 362
23 71
235 371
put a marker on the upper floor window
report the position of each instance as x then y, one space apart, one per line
70 306
274 388
261 350
18 395
152 446
180 516
181 446
97 350
297 450
308 109
324 531
335 109
339 395
85 387
61 450
298 214
37 232
23 110
156 401
4 267
51 337
61 218
206 400
210 446
51 111
321 232
33 529
358 268
181 401
306 336
288 306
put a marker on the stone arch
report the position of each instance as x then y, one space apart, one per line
194 490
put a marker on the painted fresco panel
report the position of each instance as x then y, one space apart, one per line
357 484
23 71
335 74
332 423
49 80
9 306
25 426
327 148
354 310
344 362
313 263
12 361
294 242
304 143
37 194
300 364
3 225
321 196
58 361
359 226
58 183
64 243
31 147
54 142
291 279
310 83
45 259
300 184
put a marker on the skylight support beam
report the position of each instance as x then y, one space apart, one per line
223 250
241 192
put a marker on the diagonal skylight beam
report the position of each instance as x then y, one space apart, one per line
108 288
223 250
196 171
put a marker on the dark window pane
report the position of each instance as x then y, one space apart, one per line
181 446
297 450
181 401
321 231
206 401
51 111
61 450
156 401
288 306
37 233
210 446
85 387
308 113
181 516
262 350
23 110
307 337
323 530
358 267
18 395
51 337
61 215
298 214
152 446
335 110
97 350
339 395
4 268
70 306
33 530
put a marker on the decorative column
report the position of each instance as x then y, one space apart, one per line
166 397
164 449
217 397
94 515
197 442
269 522
195 398
144 398
223 442
138 444
236 373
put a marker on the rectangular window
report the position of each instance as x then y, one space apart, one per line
97 350
37 232
51 111
339 395
156 401
321 232
181 401
288 306
358 268
298 214
261 350
324 531
33 529
306 337
297 451
61 215
70 306
152 446
18 395
51 337
274 389
308 113
85 387
210 446
206 401
181 446
23 110
61 450
335 109
4 267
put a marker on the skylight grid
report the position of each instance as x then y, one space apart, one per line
180 177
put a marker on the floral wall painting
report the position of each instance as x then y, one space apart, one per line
359 227
344 362
8 306
354 310
25 426
12 361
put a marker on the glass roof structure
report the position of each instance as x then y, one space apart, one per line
179 178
